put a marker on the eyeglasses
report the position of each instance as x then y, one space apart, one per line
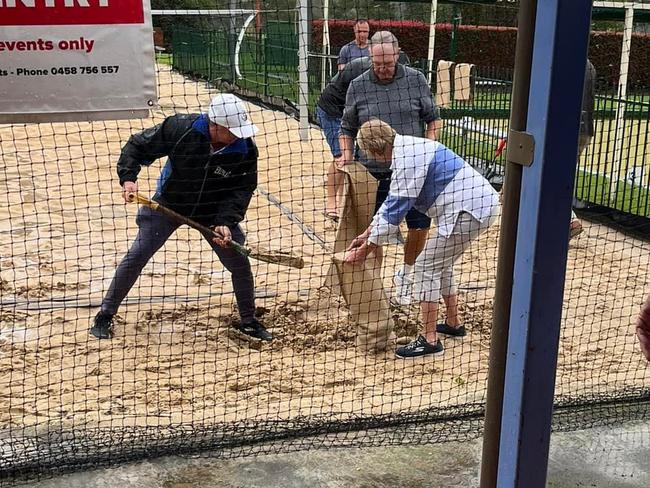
382 66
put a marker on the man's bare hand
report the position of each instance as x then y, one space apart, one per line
127 188
223 237
357 255
342 160
359 249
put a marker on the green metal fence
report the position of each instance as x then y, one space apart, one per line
268 63
614 171
610 173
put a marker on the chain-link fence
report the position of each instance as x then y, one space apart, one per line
124 334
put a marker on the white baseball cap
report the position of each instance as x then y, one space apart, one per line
230 112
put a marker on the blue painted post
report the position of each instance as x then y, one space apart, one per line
559 58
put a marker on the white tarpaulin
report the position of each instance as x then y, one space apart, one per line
63 60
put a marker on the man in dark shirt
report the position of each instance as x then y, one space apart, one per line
358 48
586 129
329 110
210 177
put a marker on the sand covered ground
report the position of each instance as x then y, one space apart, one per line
64 228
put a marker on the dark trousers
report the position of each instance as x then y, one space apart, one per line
154 230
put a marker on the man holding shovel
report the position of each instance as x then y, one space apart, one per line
209 177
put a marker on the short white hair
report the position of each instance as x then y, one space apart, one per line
375 136
384 37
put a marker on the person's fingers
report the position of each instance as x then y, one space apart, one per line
356 242
341 162
355 256
223 236
128 188
220 242
223 231
354 259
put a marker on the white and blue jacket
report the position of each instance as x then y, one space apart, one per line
436 181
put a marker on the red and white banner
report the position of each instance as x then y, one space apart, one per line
75 60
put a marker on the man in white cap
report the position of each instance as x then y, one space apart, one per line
209 176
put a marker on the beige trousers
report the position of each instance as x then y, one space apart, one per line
434 267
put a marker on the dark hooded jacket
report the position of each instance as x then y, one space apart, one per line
213 188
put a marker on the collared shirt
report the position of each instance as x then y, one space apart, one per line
405 103
352 51
433 179
332 99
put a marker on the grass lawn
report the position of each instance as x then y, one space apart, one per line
626 197
595 170
164 58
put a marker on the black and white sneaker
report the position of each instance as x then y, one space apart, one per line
451 331
255 330
102 327
419 347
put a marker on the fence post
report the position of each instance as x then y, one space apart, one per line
303 78
463 136
210 56
619 125
432 39
453 49
507 247
232 42
265 64
556 83
325 44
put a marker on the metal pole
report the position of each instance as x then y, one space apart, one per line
326 44
454 32
232 43
303 79
556 85
432 39
507 246
265 63
210 52
621 103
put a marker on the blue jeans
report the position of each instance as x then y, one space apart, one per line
154 230
331 127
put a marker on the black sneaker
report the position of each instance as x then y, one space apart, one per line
451 331
255 330
419 347
103 326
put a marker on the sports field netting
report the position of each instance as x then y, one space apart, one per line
178 377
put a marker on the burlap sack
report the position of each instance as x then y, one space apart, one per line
361 285
363 291
359 192
464 82
444 83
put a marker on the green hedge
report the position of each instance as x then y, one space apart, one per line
494 46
